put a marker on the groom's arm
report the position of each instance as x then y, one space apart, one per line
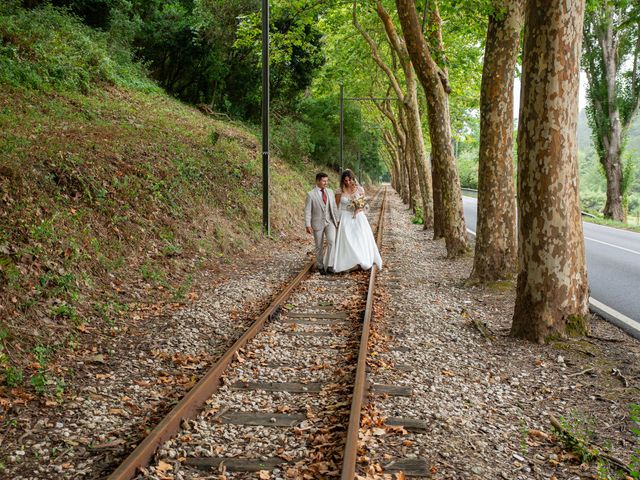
307 214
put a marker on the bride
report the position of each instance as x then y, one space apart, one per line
355 244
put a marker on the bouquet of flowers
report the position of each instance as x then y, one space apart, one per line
358 203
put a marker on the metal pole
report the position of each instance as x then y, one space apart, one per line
265 116
341 128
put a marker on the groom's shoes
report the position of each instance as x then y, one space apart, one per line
330 270
322 271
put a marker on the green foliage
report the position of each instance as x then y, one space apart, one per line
13 376
361 135
67 312
292 140
418 218
613 91
39 379
628 177
634 410
48 48
197 50
576 435
468 169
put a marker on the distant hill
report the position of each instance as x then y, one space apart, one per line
591 180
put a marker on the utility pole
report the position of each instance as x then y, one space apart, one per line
265 116
341 128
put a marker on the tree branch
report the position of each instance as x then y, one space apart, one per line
375 53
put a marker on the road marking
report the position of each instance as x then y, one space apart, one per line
587 238
612 245
620 317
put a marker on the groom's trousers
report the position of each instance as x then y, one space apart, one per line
324 259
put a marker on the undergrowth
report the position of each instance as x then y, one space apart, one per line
110 191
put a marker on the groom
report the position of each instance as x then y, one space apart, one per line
321 219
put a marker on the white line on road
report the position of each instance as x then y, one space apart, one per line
612 245
626 323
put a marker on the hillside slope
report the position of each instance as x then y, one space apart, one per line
111 193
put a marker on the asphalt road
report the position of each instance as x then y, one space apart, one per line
613 266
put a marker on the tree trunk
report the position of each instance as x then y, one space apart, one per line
612 40
433 81
396 174
614 205
412 109
438 210
552 292
613 146
411 158
496 246
417 144
412 149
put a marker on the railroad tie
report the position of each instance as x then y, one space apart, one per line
262 419
411 467
392 390
291 387
234 464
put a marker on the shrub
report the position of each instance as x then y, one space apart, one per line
47 47
592 201
468 169
292 140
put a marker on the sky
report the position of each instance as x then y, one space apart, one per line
582 95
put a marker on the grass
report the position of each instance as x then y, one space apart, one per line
613 223
100 201
109 187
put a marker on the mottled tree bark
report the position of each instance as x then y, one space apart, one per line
416 193
552 292
438 209
496 247
434 80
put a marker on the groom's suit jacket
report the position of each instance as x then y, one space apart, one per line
316 213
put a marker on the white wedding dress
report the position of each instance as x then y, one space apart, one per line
355 244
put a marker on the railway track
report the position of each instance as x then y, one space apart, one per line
285 401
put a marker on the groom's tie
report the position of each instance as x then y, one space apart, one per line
324 196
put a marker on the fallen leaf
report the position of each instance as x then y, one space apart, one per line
537 433
118 411
263 475
163 467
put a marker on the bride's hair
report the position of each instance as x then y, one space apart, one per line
345 174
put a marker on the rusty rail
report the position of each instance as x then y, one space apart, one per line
351 444
190 404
